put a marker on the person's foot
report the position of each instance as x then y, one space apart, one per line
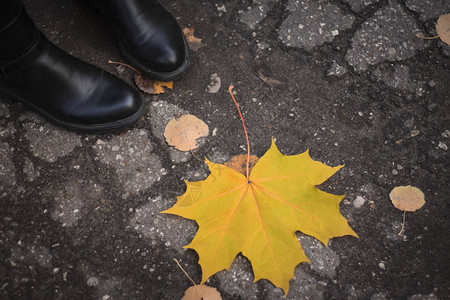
64 89
149 37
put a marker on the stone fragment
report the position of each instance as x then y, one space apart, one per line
432 83
443 146
391 28
176 232
132 157
46 140
92 281
337 70
312 23
359 201
414 132
323 259
215 84
71 198
302 286
238 280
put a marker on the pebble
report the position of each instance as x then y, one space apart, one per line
443 146
359 201
7 220
414 132
92 281
394 172
446 134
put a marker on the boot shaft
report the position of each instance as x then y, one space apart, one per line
18 33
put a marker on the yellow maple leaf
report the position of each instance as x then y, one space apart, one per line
259 216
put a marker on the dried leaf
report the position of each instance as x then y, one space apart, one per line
201 292
239 163
150 86
193 42
273 83
443 28
407 198
260 215
182 133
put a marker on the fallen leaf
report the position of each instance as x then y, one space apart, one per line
443 28
182 133
260 215
239 163
151 86
201 292
407 198
273 83
193 42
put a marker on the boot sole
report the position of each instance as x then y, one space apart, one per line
87 128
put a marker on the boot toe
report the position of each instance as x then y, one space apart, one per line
114 101
170 59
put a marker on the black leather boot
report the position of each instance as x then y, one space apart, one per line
66 90
149 37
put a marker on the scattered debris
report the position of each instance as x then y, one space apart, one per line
193 42
182 133
199 292
443 28
407 198
359 201
151 86
239 163
215 84
273 83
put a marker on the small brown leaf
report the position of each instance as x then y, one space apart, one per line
150 86
239 163
407 198
183 132
193 42
443 28
201 292
273 83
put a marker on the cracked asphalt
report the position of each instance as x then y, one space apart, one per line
80 213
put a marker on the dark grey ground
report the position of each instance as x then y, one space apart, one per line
79 217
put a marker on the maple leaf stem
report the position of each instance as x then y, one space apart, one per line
123 64
427 37
185 273
230 90
403 224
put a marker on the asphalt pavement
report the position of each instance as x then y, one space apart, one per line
349 80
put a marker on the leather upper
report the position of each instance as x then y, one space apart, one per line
69 90
149 36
